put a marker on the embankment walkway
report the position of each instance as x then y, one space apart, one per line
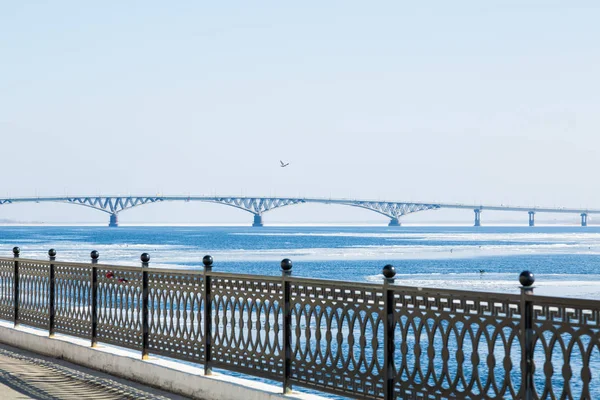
24 375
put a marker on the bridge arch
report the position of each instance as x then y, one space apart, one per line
393 210
257 206
55 212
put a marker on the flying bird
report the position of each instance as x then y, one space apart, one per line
283 164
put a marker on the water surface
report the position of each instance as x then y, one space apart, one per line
565 260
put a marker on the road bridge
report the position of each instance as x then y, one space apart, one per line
258 206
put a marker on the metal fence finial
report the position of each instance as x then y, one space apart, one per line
207 261
526 279
389 272
286 266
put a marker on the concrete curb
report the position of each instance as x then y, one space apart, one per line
168 375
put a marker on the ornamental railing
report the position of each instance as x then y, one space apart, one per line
350 339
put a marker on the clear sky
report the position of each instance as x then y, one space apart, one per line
454 101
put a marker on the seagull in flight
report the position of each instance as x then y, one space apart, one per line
283 164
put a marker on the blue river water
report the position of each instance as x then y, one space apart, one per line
565 260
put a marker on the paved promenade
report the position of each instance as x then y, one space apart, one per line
24 375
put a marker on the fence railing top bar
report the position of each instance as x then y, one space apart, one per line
591 304
299 280
175 271
467 294
424 291
330 283
72 264
232 275
27 260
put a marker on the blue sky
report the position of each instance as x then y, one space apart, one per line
467 101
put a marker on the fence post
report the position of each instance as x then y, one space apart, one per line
94 295
527 364
145 257
51 309
207 300
286 273
16 252
389 271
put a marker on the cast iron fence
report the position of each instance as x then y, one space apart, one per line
351 339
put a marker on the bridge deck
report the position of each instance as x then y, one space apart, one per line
258 206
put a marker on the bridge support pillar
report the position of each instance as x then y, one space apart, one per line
258 222
114 220
394 222
477 217
583 219
531 218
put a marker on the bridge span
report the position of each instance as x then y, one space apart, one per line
258 206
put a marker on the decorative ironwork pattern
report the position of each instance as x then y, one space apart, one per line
247 325
34 285
73 299
566 347
456 344
7 298
119 306
175 307
337 338
351 339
